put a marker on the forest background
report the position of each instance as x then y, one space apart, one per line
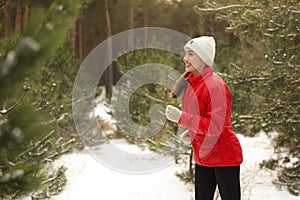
42 44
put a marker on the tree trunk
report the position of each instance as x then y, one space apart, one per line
79 39
130 24
109 80
7 19
26 13
145 5
18 19
72 35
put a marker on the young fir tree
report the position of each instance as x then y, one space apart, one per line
269 85
141 101
26 143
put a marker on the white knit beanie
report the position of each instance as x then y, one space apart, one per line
204 47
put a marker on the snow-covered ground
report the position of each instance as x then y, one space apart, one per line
89 179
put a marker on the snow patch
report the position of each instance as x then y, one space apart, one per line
88 179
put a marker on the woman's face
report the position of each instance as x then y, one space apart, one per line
192 62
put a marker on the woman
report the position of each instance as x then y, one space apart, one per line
206 114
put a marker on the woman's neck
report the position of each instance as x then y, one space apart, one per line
198 72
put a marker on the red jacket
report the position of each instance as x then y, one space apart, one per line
206 113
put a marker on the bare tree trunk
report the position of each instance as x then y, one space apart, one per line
131 25
79 40
145 21
72 35
26 13
7 19
18 19
109 80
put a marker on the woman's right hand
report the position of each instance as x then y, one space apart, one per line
173 114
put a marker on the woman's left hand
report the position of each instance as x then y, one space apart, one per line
185 137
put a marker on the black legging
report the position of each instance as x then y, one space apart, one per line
227 179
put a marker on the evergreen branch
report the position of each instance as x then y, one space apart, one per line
4 110
236 67
36 144
152 98
64 148
61 170
257 79
248 117
199 9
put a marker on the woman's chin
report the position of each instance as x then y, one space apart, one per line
188 69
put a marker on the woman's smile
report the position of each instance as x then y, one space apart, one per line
187 65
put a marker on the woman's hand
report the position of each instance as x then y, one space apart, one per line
185 137
173 114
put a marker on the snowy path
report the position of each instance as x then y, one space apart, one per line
88 179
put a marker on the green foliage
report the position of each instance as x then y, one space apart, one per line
268 86
23 177
32 106
51 89
166 141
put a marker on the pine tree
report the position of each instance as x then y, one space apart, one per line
26 134
269 84
166 140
